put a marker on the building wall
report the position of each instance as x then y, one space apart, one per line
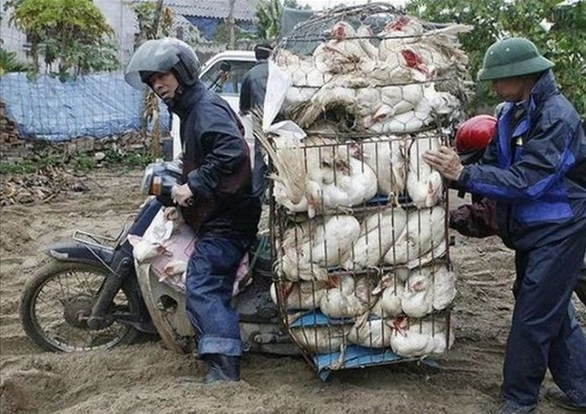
120 16
13 39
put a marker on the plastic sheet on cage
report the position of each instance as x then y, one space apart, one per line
277 84
317 318
353 356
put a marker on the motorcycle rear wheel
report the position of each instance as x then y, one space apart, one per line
56 302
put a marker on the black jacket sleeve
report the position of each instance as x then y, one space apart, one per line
245 95
225 158
476 219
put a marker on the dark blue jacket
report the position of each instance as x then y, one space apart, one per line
254 86
534 168
216 164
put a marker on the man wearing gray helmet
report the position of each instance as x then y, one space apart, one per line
216 199
534 168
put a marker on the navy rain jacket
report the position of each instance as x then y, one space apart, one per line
254 86
216 164
534 168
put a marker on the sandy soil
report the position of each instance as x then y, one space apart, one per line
142 378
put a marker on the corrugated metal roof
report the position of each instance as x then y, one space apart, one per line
243 9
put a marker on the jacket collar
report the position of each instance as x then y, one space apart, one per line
543 88
185 102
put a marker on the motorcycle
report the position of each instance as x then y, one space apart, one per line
94 294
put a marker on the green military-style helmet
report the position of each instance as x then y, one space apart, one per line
510 58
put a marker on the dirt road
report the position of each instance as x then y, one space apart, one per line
141 378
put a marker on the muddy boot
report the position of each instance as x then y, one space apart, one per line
559 398
510 407
222 368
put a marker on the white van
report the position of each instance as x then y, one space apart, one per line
239 62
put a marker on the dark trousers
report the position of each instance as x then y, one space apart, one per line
210 278
581 286
545 332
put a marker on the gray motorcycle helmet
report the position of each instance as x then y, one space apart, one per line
163 55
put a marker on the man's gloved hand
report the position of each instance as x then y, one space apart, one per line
182 195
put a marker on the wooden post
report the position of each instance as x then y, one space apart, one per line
231 24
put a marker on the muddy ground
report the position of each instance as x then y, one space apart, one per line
142 378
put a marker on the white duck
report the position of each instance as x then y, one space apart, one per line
174 268
173 214
397 34
305 77
424 184
437 47
332 240
299 295
390 291
387 157
365 33
377 234
145 249
432 329
318 177
348 299
408 341
433 104
444 286
358 97
345 185
371 332
419 337
417 300
321 339
342 53
313 246
422 239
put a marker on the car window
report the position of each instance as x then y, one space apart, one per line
233 83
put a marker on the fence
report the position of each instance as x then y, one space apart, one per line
97 105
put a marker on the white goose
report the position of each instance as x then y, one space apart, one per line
377 234
424 184
422 239
371 332
348 299
390 290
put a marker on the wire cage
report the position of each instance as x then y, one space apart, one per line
358 220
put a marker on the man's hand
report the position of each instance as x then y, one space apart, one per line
446 161
182 195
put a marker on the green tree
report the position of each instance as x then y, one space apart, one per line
10 63
268 19
71 33
564 42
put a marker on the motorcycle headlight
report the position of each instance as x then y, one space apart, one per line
160 177
147 179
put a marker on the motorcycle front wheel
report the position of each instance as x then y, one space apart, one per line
57 302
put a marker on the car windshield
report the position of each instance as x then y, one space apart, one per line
233 82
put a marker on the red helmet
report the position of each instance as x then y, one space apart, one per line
475 133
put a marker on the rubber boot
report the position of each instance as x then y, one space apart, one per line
559 398
222 368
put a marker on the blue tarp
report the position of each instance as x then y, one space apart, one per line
96 105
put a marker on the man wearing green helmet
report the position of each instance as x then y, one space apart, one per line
535 167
